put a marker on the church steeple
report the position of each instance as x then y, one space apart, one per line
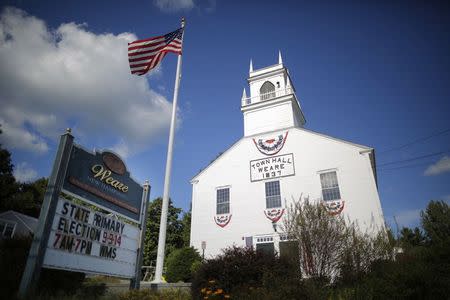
272 104
244 95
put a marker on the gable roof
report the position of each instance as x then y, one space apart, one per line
29 222
362 147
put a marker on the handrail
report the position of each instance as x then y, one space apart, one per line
267 96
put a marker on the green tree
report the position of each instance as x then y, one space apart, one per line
186 222
179 264
411 238
421 271
174 237
330 247
322 238
436 222
26 198
30 197
8 184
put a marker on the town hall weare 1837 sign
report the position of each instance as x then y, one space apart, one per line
272 167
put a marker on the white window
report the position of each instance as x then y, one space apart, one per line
223 201
330 186
7 229
267 90
273 197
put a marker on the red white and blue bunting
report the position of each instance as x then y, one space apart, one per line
334 207
222 220
271 146
274 214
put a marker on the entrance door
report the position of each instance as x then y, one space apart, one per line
289 251
266 248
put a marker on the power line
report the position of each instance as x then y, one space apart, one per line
414 158
415 141
403 167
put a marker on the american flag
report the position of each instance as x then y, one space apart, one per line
144 55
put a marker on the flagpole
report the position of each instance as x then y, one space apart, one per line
165 204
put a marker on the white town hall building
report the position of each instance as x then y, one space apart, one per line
241 197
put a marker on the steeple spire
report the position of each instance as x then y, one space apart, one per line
244 94
251 66
280 60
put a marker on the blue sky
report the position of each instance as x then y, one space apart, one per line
375 74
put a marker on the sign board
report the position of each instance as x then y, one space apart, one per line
84 240
76 237
103 180
272 167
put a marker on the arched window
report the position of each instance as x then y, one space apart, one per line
267 90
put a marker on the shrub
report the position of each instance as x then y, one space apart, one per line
195 267
179 264
421 271
146 294
13 258
92 288
52 282
242 273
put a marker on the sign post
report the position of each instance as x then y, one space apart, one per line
40 239
203 249
102 231
135 283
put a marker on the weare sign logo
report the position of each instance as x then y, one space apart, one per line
103 180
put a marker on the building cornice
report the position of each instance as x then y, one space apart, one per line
274 102
266 72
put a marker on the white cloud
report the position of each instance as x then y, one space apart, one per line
70 77
121 149
174 5
408 218
17 137
24 173
442 166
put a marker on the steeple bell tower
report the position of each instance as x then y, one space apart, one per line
272 104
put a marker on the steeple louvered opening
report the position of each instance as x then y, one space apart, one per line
267 91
